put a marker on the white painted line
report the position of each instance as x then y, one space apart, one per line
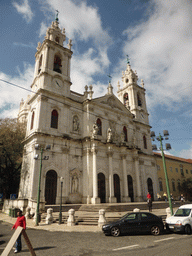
164 239
127 247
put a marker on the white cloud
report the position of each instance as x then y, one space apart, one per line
11 95
24 9
186 153
160 49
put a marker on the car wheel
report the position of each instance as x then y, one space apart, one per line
115 231
155 230
187 229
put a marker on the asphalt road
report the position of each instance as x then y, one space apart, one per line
94 244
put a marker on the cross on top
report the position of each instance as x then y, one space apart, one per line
109 78
56 17
128 59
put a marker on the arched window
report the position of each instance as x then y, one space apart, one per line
54 119
57 39
125 99
32 119
40 63
125 133
144 142
99 125
139 100
57 64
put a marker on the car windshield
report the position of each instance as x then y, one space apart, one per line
182 212
129 216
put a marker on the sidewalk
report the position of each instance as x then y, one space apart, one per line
77 228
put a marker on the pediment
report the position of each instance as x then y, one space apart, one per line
112 102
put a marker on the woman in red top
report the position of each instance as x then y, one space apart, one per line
20 222
149 202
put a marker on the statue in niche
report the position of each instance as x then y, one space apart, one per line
109 135
75 184
75 124
95 131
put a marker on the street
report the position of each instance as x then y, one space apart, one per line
92 244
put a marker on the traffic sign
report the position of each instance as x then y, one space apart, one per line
13 196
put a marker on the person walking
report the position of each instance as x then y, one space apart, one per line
20 222
149 202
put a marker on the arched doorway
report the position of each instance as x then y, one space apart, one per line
50 187
101 187
117 192
150 187
130 187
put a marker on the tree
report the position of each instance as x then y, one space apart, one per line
186 188
12 134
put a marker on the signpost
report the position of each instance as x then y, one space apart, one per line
13 239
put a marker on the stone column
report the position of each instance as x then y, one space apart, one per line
138 181
88 178
112 199
126 197
46 57
95 199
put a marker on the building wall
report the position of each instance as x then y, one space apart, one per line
178 170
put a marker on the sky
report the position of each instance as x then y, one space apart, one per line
157 36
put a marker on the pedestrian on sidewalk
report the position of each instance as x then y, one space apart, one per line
149 202
20 222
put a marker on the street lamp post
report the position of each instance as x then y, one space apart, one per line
37 147
60 212
168 146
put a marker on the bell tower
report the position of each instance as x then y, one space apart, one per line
132 95
52 64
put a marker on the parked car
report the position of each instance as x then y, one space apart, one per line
135 222
181 221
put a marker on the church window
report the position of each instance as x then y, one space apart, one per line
32 119
40 63
54 119
160 185
126 98
57 39
139 100
125 133
57 64
99 125
127 80
145 142
179 185
173 185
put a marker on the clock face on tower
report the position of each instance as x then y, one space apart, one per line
57 83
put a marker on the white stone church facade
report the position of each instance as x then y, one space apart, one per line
101 147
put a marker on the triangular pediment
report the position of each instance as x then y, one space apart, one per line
111 101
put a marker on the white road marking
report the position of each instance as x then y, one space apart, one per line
127 247
169 238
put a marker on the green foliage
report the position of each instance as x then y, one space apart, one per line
186 188
12 134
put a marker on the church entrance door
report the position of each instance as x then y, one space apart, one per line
117 192
130 187
50 187
150 187
101 187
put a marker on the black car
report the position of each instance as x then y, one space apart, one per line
135 222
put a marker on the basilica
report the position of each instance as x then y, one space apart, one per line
96 150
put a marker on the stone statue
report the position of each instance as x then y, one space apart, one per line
95 131
109 135
75 123
75 184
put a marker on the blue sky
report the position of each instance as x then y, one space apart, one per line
157 36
